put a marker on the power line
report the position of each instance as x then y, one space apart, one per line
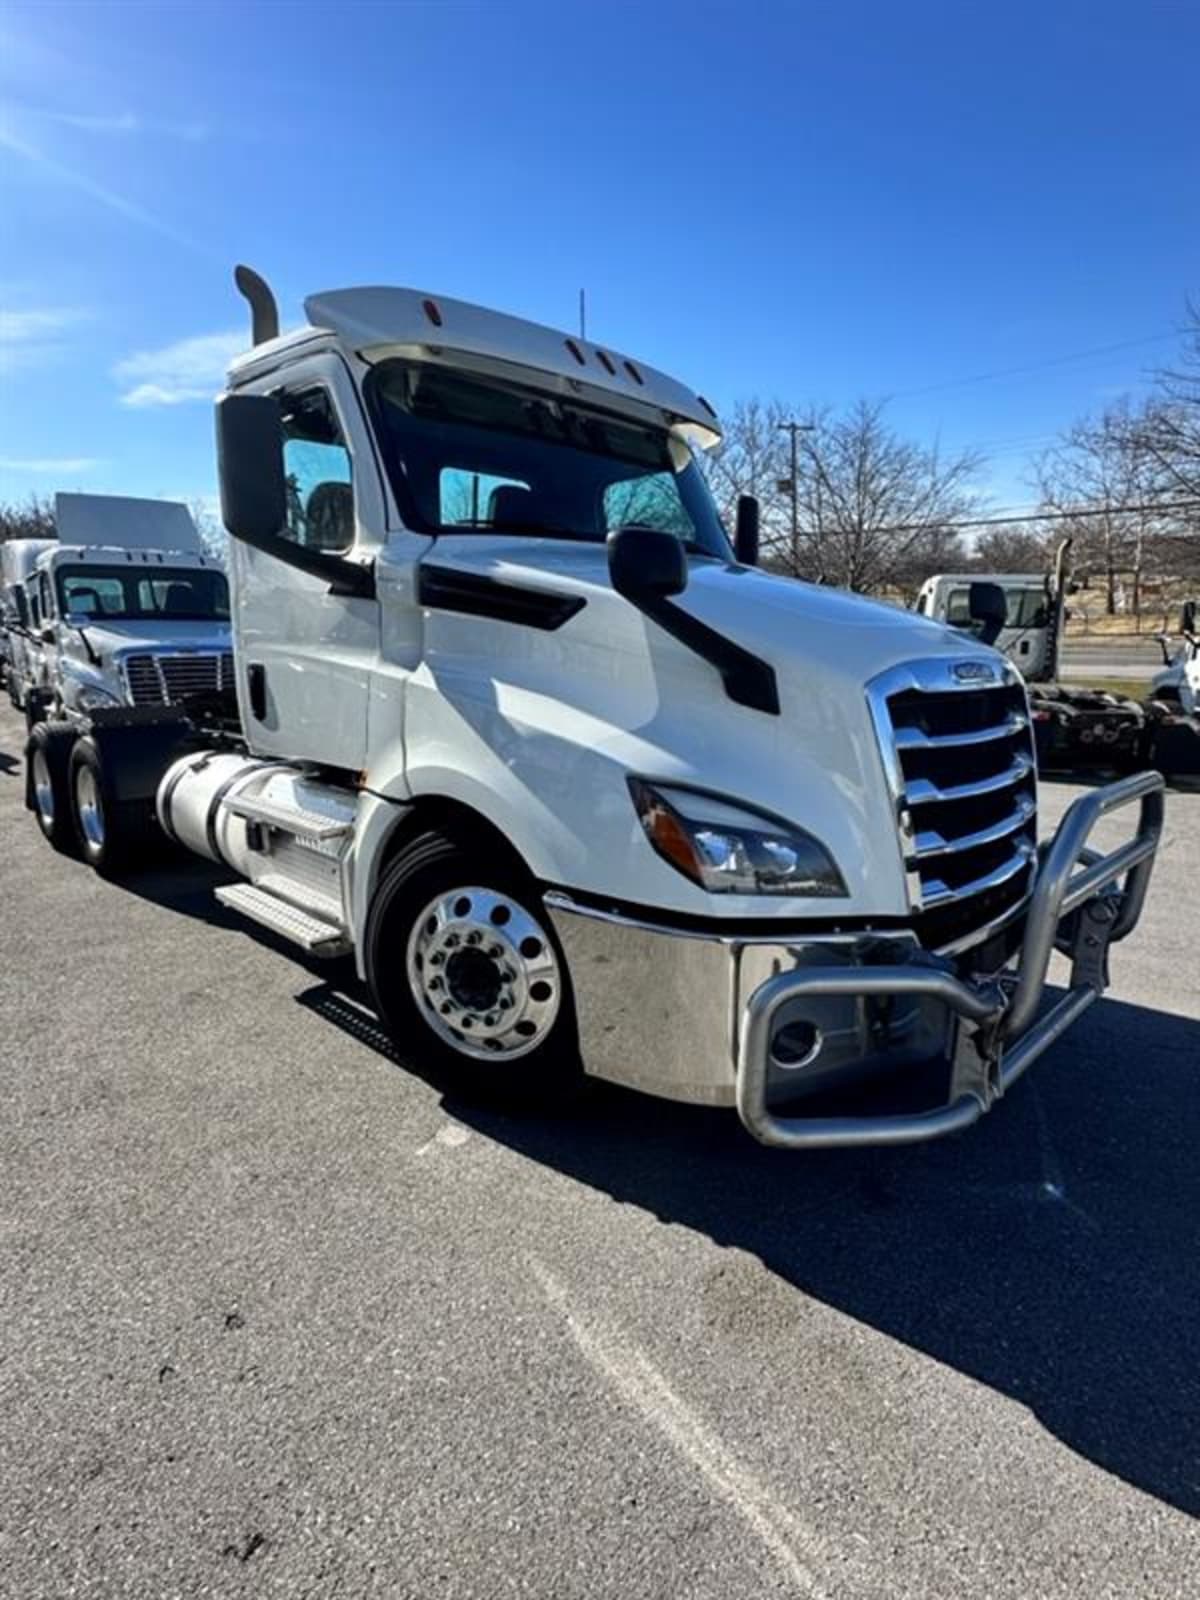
1034 366
1045 516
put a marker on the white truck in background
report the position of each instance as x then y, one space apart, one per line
573 780
20 618
131 611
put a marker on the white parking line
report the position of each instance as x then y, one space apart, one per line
644 1388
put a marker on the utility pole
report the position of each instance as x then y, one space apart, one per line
791 486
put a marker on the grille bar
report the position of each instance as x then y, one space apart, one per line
923 791
931 843
916 739
936 893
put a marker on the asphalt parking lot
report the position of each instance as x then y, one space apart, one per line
278 1317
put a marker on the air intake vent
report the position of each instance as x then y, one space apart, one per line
961 762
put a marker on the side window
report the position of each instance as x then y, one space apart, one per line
35 608
316 463
651 500
469 499
958 608
44 601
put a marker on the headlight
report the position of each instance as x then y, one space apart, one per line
92 699
728 849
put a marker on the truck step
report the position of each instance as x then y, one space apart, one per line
292 819
314 934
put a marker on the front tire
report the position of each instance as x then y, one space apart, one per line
465 971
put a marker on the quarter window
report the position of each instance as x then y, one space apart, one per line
316 464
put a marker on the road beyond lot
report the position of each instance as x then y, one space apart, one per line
280 1318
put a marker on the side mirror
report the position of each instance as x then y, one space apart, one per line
47 634
1187 620
250 466
989 608
646 564
746 530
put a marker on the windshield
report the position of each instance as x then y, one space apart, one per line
1027 608
128 594
466 452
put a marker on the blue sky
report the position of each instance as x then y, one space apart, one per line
812 201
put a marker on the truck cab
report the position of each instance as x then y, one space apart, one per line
21 617
1028 634
524 730
132 611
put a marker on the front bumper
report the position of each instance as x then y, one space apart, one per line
765 1022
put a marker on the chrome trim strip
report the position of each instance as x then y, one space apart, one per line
922 792
932 844
937 893
914 739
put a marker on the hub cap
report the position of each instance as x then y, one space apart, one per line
87 803
484 973
43 789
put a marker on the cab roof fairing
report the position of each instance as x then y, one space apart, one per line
374 323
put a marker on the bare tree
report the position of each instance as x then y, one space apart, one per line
752 458
32 519
877 509
1013 549
1103 464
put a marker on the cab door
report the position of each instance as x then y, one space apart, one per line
305 653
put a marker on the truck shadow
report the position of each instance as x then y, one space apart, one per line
1052 1252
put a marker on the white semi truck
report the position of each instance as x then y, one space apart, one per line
573 780
20 617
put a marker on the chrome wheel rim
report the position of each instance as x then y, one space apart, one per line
484 973
89 807
43 789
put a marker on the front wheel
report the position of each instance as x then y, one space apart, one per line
464 970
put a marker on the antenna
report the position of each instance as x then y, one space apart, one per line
583 313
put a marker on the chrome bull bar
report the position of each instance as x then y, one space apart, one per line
1075 907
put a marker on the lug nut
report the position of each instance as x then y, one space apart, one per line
473 937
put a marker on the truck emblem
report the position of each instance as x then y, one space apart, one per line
974 672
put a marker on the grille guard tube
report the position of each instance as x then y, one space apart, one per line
1071 878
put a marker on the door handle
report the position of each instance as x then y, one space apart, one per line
256 679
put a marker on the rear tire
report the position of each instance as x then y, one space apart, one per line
106 830
465 971
47 783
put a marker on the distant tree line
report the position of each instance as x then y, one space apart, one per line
870 510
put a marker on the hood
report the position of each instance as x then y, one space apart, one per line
572 709
113 637
786 622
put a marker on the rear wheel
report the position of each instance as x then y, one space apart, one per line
465 970
105 828
47 791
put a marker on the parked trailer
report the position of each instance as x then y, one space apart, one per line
1077 728
574 781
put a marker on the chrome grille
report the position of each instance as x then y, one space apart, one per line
961 761
157 680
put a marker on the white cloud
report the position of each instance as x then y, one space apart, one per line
34 335
121 122
188 370
63 465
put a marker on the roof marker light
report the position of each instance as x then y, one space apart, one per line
634 373
430 307
606 362
575 351
706 405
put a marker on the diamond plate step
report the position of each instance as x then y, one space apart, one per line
304 824
311 933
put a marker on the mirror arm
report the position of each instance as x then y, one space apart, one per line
749 681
